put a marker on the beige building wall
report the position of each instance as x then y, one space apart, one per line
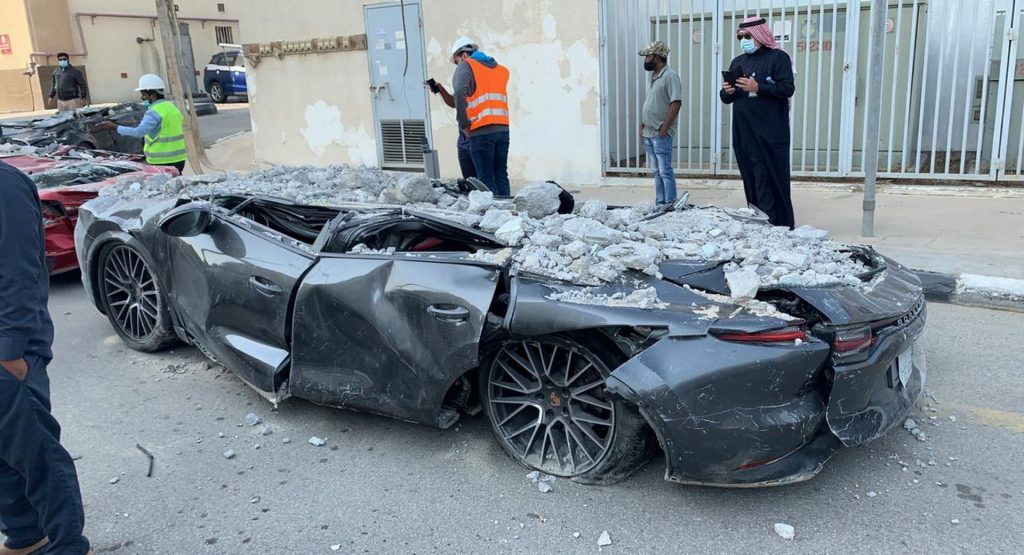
107 37
131 45
16 89
317 109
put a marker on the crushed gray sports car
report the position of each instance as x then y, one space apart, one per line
584 355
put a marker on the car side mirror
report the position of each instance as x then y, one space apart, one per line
187 220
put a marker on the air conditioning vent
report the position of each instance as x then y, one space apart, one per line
402 142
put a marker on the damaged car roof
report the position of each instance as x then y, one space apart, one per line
594 245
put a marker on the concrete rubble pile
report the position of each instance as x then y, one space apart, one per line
594 246
15 149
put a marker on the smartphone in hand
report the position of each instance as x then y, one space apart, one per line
434 88
731 75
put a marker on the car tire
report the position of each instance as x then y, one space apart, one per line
558 393
216 92
133 300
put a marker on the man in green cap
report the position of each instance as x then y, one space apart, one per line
658 120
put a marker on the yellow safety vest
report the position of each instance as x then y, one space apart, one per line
167 146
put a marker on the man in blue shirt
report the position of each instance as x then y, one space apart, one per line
40 501
161 127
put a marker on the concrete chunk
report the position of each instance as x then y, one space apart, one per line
538 200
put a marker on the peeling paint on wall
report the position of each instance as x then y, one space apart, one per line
324 128
554 97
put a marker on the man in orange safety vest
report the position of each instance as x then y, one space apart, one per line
481 103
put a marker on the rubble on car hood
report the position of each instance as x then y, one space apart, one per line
593 246
17 149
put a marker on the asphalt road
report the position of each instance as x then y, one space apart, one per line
230 119
382 486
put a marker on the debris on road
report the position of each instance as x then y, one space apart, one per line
955 521
317 442
229 454
115 480
149 471
785 531
912 427
576 535
604 540
252 420
543 481
286 440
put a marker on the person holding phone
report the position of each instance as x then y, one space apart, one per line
658 119
759 85
480 90
462 144
40 499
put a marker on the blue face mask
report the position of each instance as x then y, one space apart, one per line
147 103
63 63
748 46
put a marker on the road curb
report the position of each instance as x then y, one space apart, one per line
973 290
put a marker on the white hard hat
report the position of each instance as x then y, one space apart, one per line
151 82
461 43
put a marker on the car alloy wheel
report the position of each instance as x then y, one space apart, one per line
216 92
547 403
131 293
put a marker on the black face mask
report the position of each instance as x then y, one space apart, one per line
649 66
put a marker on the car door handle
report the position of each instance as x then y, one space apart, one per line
265 286
449 312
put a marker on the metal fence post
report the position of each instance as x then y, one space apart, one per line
875 69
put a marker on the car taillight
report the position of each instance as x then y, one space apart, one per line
852 341
791 333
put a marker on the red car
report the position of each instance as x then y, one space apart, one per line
65 183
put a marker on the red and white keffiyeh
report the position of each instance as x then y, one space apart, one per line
759 30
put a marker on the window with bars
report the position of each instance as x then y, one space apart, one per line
224 35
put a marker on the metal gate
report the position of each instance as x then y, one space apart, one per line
397 70
953 85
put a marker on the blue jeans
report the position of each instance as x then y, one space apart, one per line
659 160
490 156
39 493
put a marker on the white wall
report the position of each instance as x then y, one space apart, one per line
317 109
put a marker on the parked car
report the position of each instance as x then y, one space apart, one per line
224 76
77 128
64 185
402 313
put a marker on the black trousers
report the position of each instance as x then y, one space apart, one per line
39 492
764 168
179 165
466 163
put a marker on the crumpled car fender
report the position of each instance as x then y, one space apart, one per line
717 406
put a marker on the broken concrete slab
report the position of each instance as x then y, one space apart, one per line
743 283
538 200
